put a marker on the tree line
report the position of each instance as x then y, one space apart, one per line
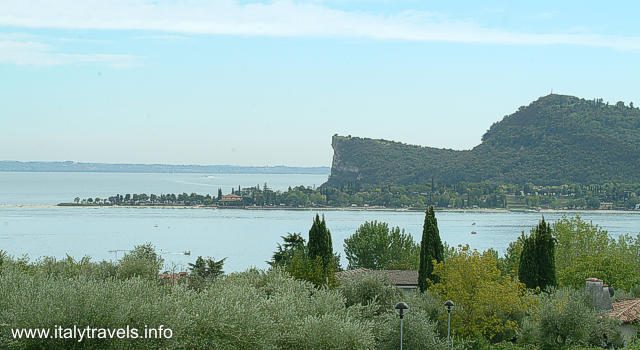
460 196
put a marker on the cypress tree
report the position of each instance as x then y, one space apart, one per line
431 249
537 261
320 244
527 270
546 252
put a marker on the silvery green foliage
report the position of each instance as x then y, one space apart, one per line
143 261
431 305
40 300
419 332
370 289
566 317
249 310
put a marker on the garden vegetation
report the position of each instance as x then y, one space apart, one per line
300 304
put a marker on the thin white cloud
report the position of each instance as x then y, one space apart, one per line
161 37
279 18
40 54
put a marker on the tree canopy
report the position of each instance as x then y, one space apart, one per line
554 140
375 246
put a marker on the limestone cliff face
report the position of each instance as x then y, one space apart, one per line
555 140
378 161
340 168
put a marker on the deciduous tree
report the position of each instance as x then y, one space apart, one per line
487 302
375 246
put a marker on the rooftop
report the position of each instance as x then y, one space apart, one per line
626 310
395 277
230 198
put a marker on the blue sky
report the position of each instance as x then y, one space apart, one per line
269 83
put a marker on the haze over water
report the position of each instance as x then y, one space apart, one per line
246 237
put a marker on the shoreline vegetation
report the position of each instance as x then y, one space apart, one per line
462 196
413 209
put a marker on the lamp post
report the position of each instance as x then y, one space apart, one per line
449 305
401 306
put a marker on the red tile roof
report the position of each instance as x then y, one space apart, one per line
626 310
173 276
230 198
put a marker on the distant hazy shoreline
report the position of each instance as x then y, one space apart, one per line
16 166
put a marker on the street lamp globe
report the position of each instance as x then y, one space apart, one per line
401 306
449 305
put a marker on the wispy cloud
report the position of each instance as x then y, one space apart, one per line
161 37
284 18
40 54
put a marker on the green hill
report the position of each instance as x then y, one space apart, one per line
554 140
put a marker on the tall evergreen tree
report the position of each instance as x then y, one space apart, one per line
527 269
293 243
431 249
320 241
547 255
537 261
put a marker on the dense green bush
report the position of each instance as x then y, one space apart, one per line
489 305
369 288
586 250
419 331
249 310
43 301
142 261
375 246
567 317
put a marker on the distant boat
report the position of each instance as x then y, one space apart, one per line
187 252
473 224
156 225
473 232
523 210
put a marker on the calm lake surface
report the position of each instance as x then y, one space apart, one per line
246 237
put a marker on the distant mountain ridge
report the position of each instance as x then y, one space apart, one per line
556 139
155 168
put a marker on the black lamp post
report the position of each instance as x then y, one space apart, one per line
401 306
449 305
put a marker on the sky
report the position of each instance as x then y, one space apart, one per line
269 82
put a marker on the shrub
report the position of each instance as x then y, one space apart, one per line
312 270
431 305
44 300
249 310
566 317
419 331
488 304
369 288
142 261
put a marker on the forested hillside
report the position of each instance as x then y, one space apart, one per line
554 140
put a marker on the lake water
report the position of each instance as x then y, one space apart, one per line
53 188
246 237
